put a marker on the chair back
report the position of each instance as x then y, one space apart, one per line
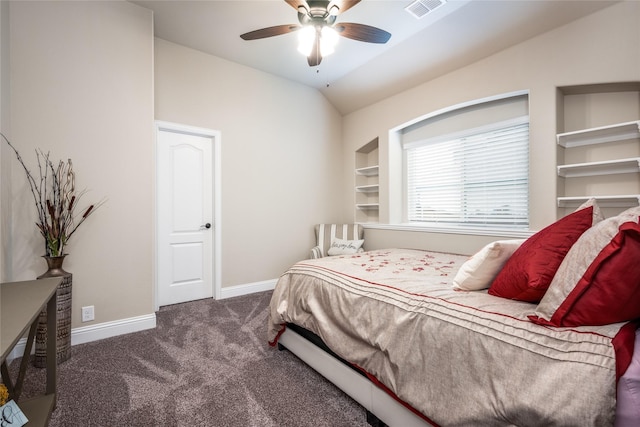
326 232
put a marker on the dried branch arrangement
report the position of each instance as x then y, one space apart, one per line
55 197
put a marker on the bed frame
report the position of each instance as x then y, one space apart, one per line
382 409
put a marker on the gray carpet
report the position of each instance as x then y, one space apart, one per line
206 364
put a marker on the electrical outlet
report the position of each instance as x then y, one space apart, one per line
87 313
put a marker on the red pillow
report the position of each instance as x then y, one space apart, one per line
598 282
528 273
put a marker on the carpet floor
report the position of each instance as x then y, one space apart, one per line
207 363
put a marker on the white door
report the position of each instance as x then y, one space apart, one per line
186 230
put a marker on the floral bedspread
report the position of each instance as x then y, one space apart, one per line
460 358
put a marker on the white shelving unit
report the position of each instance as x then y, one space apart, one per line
368 171
600 135
609 167
367 185
366 206
621 201
373 188
600 162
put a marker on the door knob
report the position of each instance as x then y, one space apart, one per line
207 226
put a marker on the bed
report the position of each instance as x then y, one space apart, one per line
415 351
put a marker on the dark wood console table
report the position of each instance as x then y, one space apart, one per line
20 306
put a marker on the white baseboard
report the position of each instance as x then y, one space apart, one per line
248 288
99 331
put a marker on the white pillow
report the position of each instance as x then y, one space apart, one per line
344 247
479 271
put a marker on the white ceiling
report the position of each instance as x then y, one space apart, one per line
358 74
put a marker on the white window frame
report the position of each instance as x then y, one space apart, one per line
397 180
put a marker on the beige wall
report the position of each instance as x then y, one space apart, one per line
281 156
5 164
600 48
82 88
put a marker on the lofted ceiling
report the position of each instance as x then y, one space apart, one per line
455 34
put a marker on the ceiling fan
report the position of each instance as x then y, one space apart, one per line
318 28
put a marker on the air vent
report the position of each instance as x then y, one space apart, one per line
420 8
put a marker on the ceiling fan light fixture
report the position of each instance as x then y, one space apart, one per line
328 41
306 40
318 32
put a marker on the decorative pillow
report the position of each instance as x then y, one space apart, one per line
344 247
599 280
479 271
528 273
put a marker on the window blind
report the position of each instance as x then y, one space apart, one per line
477 178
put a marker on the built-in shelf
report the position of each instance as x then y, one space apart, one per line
367 183
600 157
367 206
368 171
608 167
373 188
619 201
600 135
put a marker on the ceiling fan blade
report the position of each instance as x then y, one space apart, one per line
270 32
343 5
315 57
297 3
361 32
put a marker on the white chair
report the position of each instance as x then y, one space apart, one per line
325 233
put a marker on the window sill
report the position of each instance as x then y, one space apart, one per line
517 234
